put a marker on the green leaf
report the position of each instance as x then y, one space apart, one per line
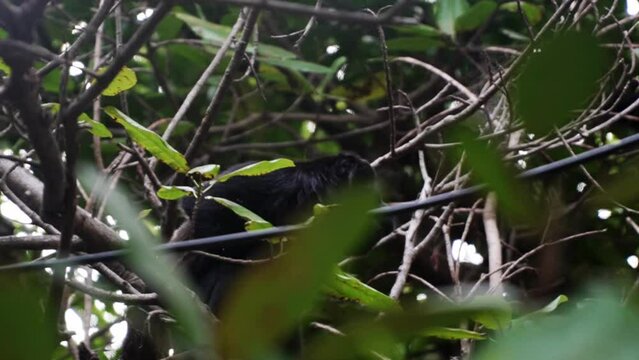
299 65
53 108
488 166
383 334
22 317
6 69
534 13
475 16
453 333
267 304
600 328
206 171
321 209
124 80
254 221
258 168
257 225
447 12
497 318
96 128
552 306
412 44
349 288
217 34
560 77
174 192
51 81
144 213
420 29
149 140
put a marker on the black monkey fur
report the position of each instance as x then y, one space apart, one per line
282 197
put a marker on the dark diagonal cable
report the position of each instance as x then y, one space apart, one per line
397 208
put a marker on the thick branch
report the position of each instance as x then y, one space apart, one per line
96 235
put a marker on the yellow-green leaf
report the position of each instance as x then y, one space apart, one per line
123 81
149 140
347 287
253 221
174 192
258 168
96 128
6 69
206 171
453 333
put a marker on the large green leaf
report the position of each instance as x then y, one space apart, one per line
475 16
597 329
22 317
266 305
299 65
447 12
386 336
349 288
488 167
149 140
258 168
124 80
157 270
559 78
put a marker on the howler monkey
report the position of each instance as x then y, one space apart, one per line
285 196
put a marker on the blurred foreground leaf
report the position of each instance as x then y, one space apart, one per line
157 271
453 333
389 335
598 329
489 167
562 74
266 305
475 16
447 12
24 332
494 318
